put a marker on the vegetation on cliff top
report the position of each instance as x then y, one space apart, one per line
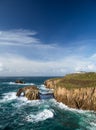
77 80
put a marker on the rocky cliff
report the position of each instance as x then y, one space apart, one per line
74 91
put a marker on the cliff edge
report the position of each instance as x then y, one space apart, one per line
77 90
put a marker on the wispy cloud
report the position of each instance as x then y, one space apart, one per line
17 37
21 38
22 53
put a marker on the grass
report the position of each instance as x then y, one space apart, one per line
77 80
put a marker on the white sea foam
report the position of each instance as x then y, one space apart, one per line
65 107
20 101
23 101
45 90
43 87
87 117
13 83
8 96
41 116
12 96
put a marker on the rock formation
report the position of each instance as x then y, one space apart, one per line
79 97
19 81
30 92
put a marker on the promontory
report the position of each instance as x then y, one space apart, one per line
77 90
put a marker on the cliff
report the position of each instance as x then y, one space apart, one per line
75 90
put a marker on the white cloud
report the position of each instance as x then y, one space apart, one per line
14 65
1 67
45 59
21 38
17 37
93 57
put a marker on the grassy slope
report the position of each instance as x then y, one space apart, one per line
77 80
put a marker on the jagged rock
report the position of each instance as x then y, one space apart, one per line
30 92
19 81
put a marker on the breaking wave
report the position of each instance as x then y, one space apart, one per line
87 117
13 83
41 116
46 109
8 96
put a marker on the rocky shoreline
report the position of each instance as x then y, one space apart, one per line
79 98
76 95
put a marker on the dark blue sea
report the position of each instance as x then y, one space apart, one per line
17 113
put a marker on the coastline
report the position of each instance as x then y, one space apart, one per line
82 97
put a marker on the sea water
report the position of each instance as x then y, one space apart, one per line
18 113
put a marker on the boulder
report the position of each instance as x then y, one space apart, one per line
19 81
30 92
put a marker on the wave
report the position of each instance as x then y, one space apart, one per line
13 83
65 107
44 90
12 96
23 101
41 116
42 87
19 101
8 96
87 117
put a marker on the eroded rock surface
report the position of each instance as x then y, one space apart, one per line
80 98
30 92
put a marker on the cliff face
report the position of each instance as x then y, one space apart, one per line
80 98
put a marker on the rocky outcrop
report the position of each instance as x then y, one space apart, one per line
30 92
19 81
51 83
80 98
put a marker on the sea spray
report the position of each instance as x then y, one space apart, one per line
40 116
20 113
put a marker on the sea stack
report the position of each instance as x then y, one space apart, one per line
30 92
19 82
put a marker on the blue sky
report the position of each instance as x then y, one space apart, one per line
47 37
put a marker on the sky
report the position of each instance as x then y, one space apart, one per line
47 37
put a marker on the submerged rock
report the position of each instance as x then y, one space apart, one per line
30 92
20 82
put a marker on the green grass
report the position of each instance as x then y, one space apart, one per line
77 80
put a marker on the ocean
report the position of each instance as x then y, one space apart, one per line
17 113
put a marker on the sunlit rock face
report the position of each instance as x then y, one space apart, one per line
79 97
30 92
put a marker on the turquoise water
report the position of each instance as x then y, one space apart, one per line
21 114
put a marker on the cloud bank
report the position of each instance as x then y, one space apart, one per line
11 65
23 54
